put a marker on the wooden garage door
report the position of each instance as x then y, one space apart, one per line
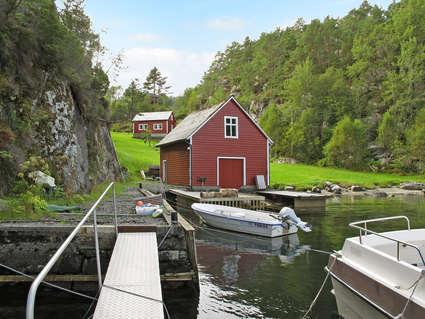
230 172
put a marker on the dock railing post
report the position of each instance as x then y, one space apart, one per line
115 212
96 243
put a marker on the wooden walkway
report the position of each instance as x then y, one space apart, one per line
297 200
133 270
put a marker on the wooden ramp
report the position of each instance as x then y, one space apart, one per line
134 268
297 200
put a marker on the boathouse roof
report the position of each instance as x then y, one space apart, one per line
152 116
186 128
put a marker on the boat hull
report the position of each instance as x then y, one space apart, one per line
383 301
247 227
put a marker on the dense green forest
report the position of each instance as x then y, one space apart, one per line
347 92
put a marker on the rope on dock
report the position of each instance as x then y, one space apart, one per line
48 283
141 296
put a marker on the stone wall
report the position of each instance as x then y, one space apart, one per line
28 247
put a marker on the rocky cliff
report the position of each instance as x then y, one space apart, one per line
79 151
52 97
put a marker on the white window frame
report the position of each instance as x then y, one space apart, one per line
236 125
157 126
143 126
231 157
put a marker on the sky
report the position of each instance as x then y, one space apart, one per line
181 37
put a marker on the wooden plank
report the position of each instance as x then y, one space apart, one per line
136 228
179 276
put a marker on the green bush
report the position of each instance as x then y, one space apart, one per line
33 203
126 126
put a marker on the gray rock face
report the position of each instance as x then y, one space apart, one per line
412 186
79 150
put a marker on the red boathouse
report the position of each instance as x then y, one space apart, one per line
157 124
221 146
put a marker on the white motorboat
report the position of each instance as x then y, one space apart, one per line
380 275
250 221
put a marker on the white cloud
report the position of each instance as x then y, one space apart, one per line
226 23
145 37
182 68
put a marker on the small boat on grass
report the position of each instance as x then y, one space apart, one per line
250 221
380 275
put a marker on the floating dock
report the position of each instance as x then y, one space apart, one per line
182 199
132 272
296 200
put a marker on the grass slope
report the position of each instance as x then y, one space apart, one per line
305 176
134 154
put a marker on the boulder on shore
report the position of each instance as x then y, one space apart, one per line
379 194
316 189
357 188
336 189
412 186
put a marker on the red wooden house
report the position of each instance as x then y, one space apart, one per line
158 124
221 146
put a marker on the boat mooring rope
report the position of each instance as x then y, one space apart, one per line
48 283
337 255
414 285
166 234
91 305
141 296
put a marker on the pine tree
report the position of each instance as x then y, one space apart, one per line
155 85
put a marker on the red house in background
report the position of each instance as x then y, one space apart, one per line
217 147
158 124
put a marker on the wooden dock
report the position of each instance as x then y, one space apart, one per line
184 199
133 270
296 200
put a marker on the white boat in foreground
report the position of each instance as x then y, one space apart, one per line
384 270
249 221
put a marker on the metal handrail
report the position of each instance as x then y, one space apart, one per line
37 281
368 231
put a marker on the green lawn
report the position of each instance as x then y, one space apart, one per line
134 154
305 176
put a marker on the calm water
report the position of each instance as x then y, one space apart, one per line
241 277
248 277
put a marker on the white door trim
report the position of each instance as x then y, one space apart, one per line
231 157
268 164
164 171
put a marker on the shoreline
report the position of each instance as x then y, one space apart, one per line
377 192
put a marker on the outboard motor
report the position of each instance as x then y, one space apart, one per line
288 215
